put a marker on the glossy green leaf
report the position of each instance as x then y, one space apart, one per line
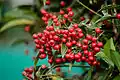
115 56
15 23
103 56
19 13
63 50
109 46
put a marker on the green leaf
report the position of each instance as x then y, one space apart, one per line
35 62
63 50
103 56
44 1
115 56
117 77
19 13
109 46
16 22
89 77
50 22
18 41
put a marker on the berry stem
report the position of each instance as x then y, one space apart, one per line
89 8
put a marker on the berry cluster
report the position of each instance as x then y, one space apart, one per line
80 47
28 73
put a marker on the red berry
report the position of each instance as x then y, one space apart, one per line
100 44
50 61
35 36
43 11
24 73
63 60
94 39
94 63
97 30
64 40
72 56
78 60
66 16
58 69
96 49
41 51
37 41
27 28
56 47
74 42
47 2
42 56
86 52
80 35
78 44
77 56
85 41
58 60
91 58
67 56
43 66
83 58
118 16
62 3
69 44
82 18
56 38
80 54
71 13
62 12
75 26
85 47
89 37
69 9
40 35
94 44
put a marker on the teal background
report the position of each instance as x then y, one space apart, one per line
13 59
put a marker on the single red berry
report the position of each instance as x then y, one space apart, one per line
27 28
58 60
43 11
72 56
96 49
42 56
83 58
86 52
56 38
89 37
47 2
77 56
64 40
84 47
58 69
30 76
94 63
94 44
69 9
35 36
90 54
100 44
67 56
78 44
50 61
97 30
24 73
30 70
62 12
74 42
75 26
65 16
56 47
118 16
85 41
69 44
80 54
43 66
80 35
71 13
94 39
41 51
39 35
91 58
55 20
37 41
63 59
82 18
62 3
